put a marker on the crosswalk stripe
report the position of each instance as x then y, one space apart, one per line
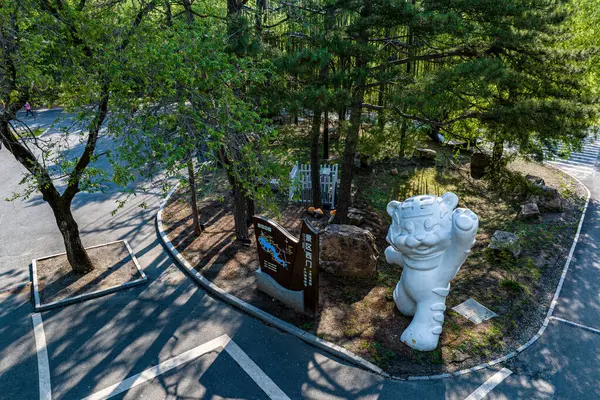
580 163
570 166
490 384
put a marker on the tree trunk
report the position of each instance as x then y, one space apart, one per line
315 164
250 210
240 215
380 97
187 6
326 136
341 111
240 202
497 151
380 114
324 77
76 253
345 194
496 163
341 115
238 46
261 5
169 13
193 199
403 130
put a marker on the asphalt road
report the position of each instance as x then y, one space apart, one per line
113 345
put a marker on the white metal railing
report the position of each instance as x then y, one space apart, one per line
301 185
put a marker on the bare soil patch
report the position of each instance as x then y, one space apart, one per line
113 267
360 315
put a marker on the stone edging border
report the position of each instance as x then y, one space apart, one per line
338 350
86 296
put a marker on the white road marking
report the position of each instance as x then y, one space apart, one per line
257 374
42 357
490 384
581 163
578 168
589 328
225 342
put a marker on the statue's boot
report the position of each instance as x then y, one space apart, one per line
404 303
424 331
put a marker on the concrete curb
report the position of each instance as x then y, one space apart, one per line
340 351
257 312
86 296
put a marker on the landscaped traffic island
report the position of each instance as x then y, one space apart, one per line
528 218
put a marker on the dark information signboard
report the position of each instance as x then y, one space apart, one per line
289 267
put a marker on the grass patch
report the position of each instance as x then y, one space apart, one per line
381 356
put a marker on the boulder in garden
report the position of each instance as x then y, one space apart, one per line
356 216
535 180
505 242
347 250
427 154
549 200
529 211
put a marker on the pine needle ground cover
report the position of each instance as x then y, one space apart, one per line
360 314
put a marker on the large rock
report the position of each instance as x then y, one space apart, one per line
549 200
479 163
356 216
505 242
535 180
427 154
347 250
529 211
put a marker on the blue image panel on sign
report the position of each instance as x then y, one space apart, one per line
270 248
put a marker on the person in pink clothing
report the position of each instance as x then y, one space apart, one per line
28 110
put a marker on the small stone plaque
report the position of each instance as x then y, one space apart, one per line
474 312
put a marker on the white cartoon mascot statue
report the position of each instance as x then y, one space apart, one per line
431 239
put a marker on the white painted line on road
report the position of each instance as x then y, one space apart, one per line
159 369
574 167
254 371
36 293
42 357
490 384
225 342
589 328
571 252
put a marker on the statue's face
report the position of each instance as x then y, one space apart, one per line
421 227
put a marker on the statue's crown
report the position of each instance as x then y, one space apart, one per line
419 206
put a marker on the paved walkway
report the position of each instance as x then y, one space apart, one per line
166 339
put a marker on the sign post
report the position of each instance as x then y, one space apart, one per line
289 267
